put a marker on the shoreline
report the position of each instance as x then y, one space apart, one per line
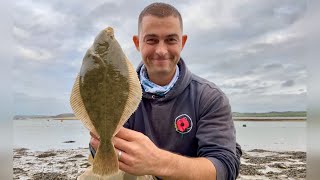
263 119
70 163
269 118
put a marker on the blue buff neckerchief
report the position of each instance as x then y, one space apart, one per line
153 88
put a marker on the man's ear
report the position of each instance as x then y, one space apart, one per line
136 42
184 40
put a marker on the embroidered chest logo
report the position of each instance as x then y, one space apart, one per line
183 124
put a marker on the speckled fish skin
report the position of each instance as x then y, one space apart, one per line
104 89
105 94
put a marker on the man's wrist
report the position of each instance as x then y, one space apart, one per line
174 166
163 167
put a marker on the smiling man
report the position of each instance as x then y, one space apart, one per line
160 42
183 127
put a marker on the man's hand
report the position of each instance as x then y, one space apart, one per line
140 156
94 141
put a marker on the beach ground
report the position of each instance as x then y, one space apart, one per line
69 164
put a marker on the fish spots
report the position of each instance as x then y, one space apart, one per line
102 49
104 96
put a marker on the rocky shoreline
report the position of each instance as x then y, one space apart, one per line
69 164
263 164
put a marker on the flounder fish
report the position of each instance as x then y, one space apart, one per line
105 94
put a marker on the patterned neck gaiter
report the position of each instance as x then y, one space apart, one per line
153 88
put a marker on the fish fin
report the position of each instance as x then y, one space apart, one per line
78 107
105 161
134 97
89 175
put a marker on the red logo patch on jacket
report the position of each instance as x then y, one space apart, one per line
183 124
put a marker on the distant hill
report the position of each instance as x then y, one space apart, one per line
16 117
64 115
20 117
272 114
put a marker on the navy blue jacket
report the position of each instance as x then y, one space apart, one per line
193 119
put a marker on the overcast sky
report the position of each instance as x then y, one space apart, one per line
253 50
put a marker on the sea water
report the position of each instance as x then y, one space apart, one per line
272 135
46 134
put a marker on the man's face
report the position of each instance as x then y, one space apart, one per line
160 43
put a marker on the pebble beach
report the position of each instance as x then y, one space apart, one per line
69 164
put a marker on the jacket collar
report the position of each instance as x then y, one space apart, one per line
182 82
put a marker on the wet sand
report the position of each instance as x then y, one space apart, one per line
69 164
262 164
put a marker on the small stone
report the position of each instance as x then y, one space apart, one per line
46 154
84 165
78 156
282 166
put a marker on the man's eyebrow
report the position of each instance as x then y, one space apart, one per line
154 35
150 35
173 35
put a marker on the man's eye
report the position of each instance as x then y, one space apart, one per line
172 40
151 41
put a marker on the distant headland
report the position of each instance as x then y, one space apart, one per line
237 116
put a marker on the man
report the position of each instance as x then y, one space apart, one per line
183 127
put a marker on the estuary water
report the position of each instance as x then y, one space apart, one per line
46 134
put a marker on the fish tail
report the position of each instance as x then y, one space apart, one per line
105 161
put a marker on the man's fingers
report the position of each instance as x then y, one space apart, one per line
124 157
122 145
93 135
127 134
124 167
94 143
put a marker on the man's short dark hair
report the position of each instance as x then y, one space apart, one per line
160 10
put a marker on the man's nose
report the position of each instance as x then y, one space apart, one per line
162 49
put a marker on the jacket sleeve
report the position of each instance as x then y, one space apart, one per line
216 134
127 125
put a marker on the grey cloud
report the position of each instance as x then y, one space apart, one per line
261 17
259 90
288 83
248 72
260 103
235 86
30 105
281 73
213 46
253 18
242 61
273 66
231 48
